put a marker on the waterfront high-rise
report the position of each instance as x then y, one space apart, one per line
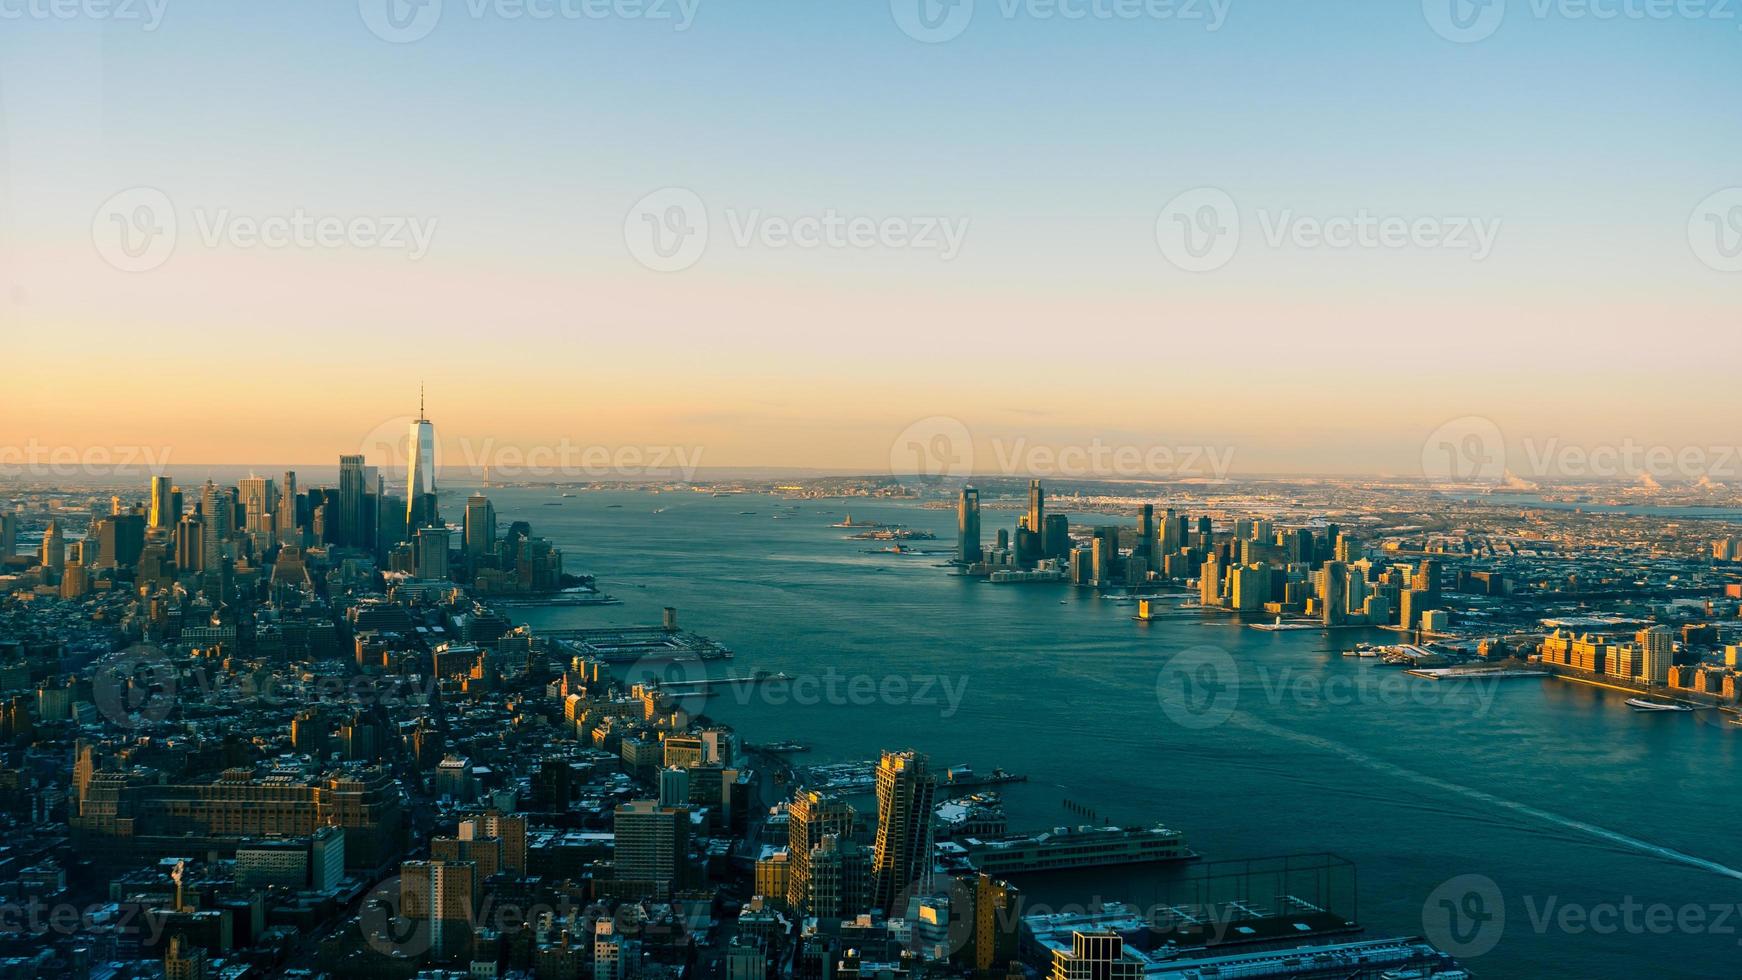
1036 506
420 477
1334 593
1145 548
968 550
810 817
1656 654
902 860
480 526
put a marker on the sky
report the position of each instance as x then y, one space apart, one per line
816 234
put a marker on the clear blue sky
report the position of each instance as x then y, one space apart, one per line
1591 139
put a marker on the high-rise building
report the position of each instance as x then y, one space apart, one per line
190 546
811 817
480 526
674 786
444 893
1036 506
432 553
259 504
1334 593
217 511
1145 547
840 879
968 550
1656 654
164 511
8 536
993 945
651 845
351 490
905 787
54 547
420 477
289 527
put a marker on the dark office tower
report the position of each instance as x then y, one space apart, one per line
120 540
1036 507
1334 593
8 536
351 489
190 546
905 787
1003 539
968 550
1206 531
1055 537
162 492
1145 547
480 526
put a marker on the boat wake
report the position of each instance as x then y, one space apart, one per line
1601 833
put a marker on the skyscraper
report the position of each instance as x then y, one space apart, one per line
8 536
905 788
1656 654
351 480
54 547
259 503
289 530
651 844
811 817
1146 544
480 526
163 509
968 550
216 511
420 485
1036 507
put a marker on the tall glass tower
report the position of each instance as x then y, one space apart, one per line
420 485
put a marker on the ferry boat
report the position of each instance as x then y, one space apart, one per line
1640 704
1074 847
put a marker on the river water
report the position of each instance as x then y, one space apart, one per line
1602 840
